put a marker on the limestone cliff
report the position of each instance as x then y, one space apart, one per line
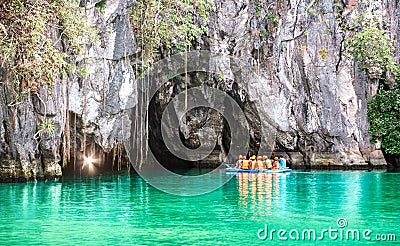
301 79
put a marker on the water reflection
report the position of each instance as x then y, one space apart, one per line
126 210
260 194
360 197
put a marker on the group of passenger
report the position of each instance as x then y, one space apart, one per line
260 163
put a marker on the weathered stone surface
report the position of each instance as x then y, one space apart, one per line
26 152
111 85
376 158
301 96
11 171
299 78
110 90
297 81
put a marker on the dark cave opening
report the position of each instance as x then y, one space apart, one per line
97 161
213 160
161 151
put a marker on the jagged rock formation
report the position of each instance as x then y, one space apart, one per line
109 91
300 79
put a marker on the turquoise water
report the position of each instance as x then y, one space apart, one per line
111 210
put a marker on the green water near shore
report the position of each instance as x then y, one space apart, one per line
124 209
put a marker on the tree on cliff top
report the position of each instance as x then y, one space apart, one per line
372 48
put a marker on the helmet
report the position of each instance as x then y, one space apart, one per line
264 157
276 158
240 156
253 157
259 157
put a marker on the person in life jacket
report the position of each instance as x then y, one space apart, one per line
268 163
239 162
245 164
260 164
243 159
275 164
282 162
264 159
253 162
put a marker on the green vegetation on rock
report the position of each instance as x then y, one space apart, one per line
47 126
167 24
37 38
101 6
272 18
384 117
372 48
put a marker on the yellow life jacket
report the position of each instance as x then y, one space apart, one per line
269 164
253 164
260 165
245 164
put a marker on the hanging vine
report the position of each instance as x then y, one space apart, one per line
168 24
163 27
39 40
28 29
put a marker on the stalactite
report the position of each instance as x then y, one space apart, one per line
74 143
114 154
119 156
67 133
141 113
128 166
135 133
84 115
103 157
92 149
186 81
146 129
258 61
104 84
84 103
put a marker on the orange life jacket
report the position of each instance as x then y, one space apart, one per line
276 165
245 164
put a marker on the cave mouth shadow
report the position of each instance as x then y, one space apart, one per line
215 159
176 164
174 86
97 161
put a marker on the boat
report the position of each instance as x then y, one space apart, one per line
236 170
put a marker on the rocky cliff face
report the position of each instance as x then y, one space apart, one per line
316 96
301 81
109 90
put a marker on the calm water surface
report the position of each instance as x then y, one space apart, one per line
111 210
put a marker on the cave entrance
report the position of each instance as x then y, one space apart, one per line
193 126
97 161
199 118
